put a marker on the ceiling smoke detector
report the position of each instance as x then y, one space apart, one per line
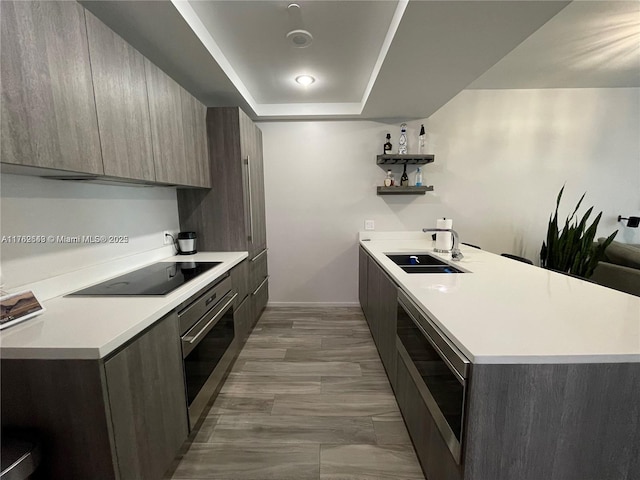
299 38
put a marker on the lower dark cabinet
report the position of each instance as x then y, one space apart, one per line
259 299
243 321
124 417
147 401
381 296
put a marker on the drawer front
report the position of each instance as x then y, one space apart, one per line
259 298
240 281
258 270
205 301
242 320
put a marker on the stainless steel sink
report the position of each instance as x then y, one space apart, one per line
422 263
430 269
420 259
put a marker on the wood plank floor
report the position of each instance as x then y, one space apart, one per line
308 398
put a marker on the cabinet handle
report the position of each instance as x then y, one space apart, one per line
248 162
259 255
261 285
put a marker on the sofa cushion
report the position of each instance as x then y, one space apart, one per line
622 254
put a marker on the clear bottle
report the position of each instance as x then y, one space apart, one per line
418 177
404 180
402 142
421 140
388 182
387 145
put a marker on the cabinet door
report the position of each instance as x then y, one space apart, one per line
382 295
373 296
165 109
48 110
387 321
240 281
147 400
195 140
259 299
257 193
250 164
121 102
363 262
242 320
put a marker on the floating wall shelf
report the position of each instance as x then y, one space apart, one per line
404 159
404 190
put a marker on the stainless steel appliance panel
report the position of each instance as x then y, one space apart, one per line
438 370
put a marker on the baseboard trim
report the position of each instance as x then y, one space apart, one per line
313 304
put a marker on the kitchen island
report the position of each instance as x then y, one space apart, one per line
548 366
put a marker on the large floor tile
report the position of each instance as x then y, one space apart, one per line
328 369
246 429
362 384
284 340
247 404
348 342
367 462
249 462
391 431
252 352
340 405
360 353
248 384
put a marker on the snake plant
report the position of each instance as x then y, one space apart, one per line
572 250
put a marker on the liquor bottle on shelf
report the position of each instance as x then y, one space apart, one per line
387 145
419 178
404 180
388 182
421 136
402 142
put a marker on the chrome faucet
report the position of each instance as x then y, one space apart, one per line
456 254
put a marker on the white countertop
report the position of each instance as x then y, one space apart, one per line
505 311
92 327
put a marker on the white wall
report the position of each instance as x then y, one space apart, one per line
501 158
35 206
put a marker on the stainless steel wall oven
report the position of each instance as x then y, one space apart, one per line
438 368
208 343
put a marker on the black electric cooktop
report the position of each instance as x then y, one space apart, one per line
157 279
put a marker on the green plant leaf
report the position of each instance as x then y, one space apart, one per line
572 249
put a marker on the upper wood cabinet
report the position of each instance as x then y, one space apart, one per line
165 108
178 131
121 102
76 97
48 110
194 126
230 217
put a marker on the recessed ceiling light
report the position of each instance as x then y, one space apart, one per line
305 80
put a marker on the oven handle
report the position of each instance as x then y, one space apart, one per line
191 339
438 350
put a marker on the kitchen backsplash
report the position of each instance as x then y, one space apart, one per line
54 227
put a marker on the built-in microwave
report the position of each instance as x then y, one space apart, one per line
438 369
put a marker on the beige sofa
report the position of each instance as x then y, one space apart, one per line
620 269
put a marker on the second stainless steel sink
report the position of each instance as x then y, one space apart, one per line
422 263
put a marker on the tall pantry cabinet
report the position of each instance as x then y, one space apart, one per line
231 216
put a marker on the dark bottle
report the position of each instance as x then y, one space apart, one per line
387 145
404 180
